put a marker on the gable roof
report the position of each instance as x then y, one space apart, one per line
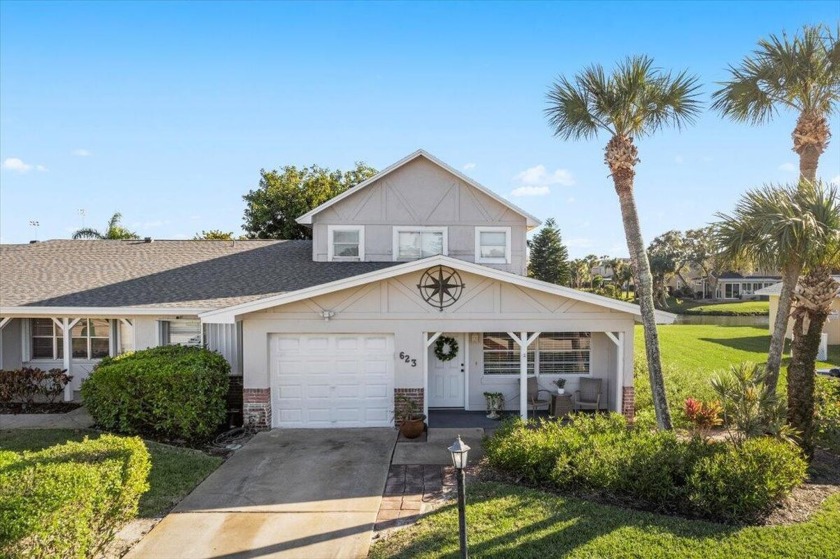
231 313
136 277
306 219
776 289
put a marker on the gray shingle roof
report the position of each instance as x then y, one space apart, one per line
169 274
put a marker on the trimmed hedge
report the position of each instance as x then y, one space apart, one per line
722 481
67 501
171 392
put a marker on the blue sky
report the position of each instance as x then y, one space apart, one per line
166 112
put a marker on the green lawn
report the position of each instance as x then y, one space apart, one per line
175 471
516 522
693 353
736 308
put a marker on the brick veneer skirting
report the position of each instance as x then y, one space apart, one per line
628 402
413 394
257 407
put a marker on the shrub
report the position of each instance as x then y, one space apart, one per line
742 482
748 407
26 384
827 413
67 501
703 416
657 469
170 391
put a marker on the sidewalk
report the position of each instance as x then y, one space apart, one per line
76 419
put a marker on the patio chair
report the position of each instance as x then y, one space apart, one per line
534 399
588 394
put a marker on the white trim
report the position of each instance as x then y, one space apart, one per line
395 237
466 346
230 314
4 321
481 229
360 229
99 312
531 221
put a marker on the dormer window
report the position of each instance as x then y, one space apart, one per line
492 245
413 243
346 243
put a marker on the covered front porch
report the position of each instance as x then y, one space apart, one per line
460 367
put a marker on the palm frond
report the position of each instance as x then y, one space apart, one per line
88 233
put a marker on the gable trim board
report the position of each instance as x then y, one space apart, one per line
235 312
48 312
306 219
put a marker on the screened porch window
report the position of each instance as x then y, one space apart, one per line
90 339
180 332
553 353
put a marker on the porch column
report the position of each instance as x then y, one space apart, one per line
523 341
619 366
66 326
3 322
428 341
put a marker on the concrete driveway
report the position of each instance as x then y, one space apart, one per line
291 493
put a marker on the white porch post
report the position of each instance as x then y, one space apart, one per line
3 322
619 367
523 341
428 341
66 326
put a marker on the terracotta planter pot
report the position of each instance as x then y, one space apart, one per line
413 428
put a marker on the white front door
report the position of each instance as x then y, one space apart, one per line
446 378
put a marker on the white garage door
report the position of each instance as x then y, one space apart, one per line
332 380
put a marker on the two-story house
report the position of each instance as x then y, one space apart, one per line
414 283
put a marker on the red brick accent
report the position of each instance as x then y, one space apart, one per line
628 402
413 394
256 407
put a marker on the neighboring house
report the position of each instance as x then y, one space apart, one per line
326 332
735 286
831 326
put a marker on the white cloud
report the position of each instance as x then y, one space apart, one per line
80 152
16 164
531 191
679 160
539 176
787 167
836 180
469 166
41 168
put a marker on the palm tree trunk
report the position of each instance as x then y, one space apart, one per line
790 275
810 138
644 291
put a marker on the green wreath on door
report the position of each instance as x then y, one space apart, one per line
446 348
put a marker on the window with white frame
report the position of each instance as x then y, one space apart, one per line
492 245
412 243
553 353
346 243
180 332
90 339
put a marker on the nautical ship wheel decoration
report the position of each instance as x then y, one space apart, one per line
441 286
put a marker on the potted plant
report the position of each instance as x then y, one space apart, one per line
561 385
407 414
495 404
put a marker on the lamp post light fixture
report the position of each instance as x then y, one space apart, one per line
459 451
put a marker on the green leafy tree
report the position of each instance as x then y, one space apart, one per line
549 257
285 195
634 101
214 235
667 256
114 231
801 74
702 251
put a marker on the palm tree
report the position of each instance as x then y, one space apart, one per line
800 74
114 231
636 100
812 301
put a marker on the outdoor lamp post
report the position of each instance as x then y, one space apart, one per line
459 451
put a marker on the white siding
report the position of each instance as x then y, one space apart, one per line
227 340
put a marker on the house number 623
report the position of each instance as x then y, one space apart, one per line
407 358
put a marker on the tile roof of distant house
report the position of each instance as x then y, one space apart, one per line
161 274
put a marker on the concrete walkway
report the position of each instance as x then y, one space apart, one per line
291 493
76 419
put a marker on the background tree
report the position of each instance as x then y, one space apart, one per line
549 257
287 194
213 235
668 258
634 101
802 74
581 272
113 231
701 250
623 273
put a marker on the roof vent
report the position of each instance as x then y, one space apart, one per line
147 239
32 242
